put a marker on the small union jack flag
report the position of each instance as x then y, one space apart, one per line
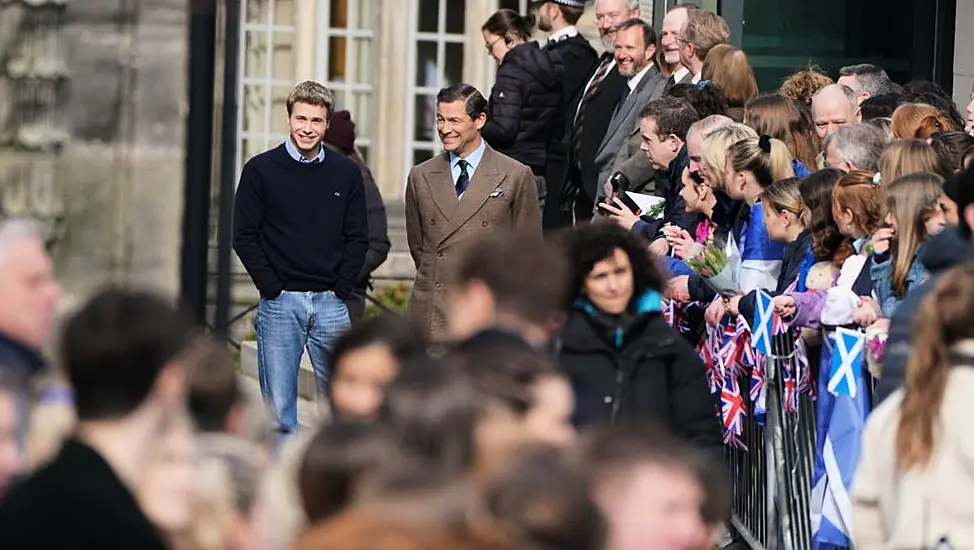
757 382
789 396
668 308
732 410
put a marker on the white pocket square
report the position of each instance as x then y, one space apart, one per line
496 193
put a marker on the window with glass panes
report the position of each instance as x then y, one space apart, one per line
436 61
267 69
345 61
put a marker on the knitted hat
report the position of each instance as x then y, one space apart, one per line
569 3
341 132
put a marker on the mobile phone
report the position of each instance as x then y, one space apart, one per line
619 183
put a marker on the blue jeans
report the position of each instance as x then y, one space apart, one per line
286 326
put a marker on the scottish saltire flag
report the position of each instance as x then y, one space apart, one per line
840 420
760 256
764 319
846 364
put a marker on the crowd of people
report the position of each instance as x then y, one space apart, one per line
574 365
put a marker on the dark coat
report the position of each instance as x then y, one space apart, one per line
89 505
583 173
379 246
941 253
637 371
523 106
574 60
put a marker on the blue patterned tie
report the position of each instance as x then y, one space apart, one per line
464 179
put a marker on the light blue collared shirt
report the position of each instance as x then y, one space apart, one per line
473 160
296 155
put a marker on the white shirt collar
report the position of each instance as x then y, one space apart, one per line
567 32
695 79
680 74
636 78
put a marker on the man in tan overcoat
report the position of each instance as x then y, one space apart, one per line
461 193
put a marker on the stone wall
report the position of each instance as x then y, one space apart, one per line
117 178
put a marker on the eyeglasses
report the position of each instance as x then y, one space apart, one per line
490 45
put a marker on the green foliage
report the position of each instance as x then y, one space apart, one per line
394 296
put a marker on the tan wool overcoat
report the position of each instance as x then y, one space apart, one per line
501 195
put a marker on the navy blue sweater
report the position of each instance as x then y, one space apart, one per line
301 226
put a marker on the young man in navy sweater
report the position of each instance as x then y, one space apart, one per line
301 232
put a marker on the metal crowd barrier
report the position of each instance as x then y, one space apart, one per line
772 477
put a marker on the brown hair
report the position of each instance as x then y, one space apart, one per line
544 499
911 199
856 192
312 93
828 244
508 24
945 317
212 388
781 118
730 71
801 86
508 264
336 462
919 120
906 156
704 30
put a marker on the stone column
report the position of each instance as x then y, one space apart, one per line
393 47
479 68
305 39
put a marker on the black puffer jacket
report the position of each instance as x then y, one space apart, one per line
635 370
523 106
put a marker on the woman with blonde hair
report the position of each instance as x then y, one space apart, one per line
730 71
906 156
753 165
914 213
914 479
714 149
919 121
781 118
786 221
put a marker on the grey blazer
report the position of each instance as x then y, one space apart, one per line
615 150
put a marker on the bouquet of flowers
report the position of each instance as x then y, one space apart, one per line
876 335
719 268
655 211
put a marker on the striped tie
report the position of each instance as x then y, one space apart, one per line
592 89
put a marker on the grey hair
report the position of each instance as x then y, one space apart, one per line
850 94
871 79
630 4
885 125
15 229
858 144
706 126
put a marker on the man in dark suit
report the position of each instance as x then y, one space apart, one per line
456 196
635 48
599 100
121 352
574 60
